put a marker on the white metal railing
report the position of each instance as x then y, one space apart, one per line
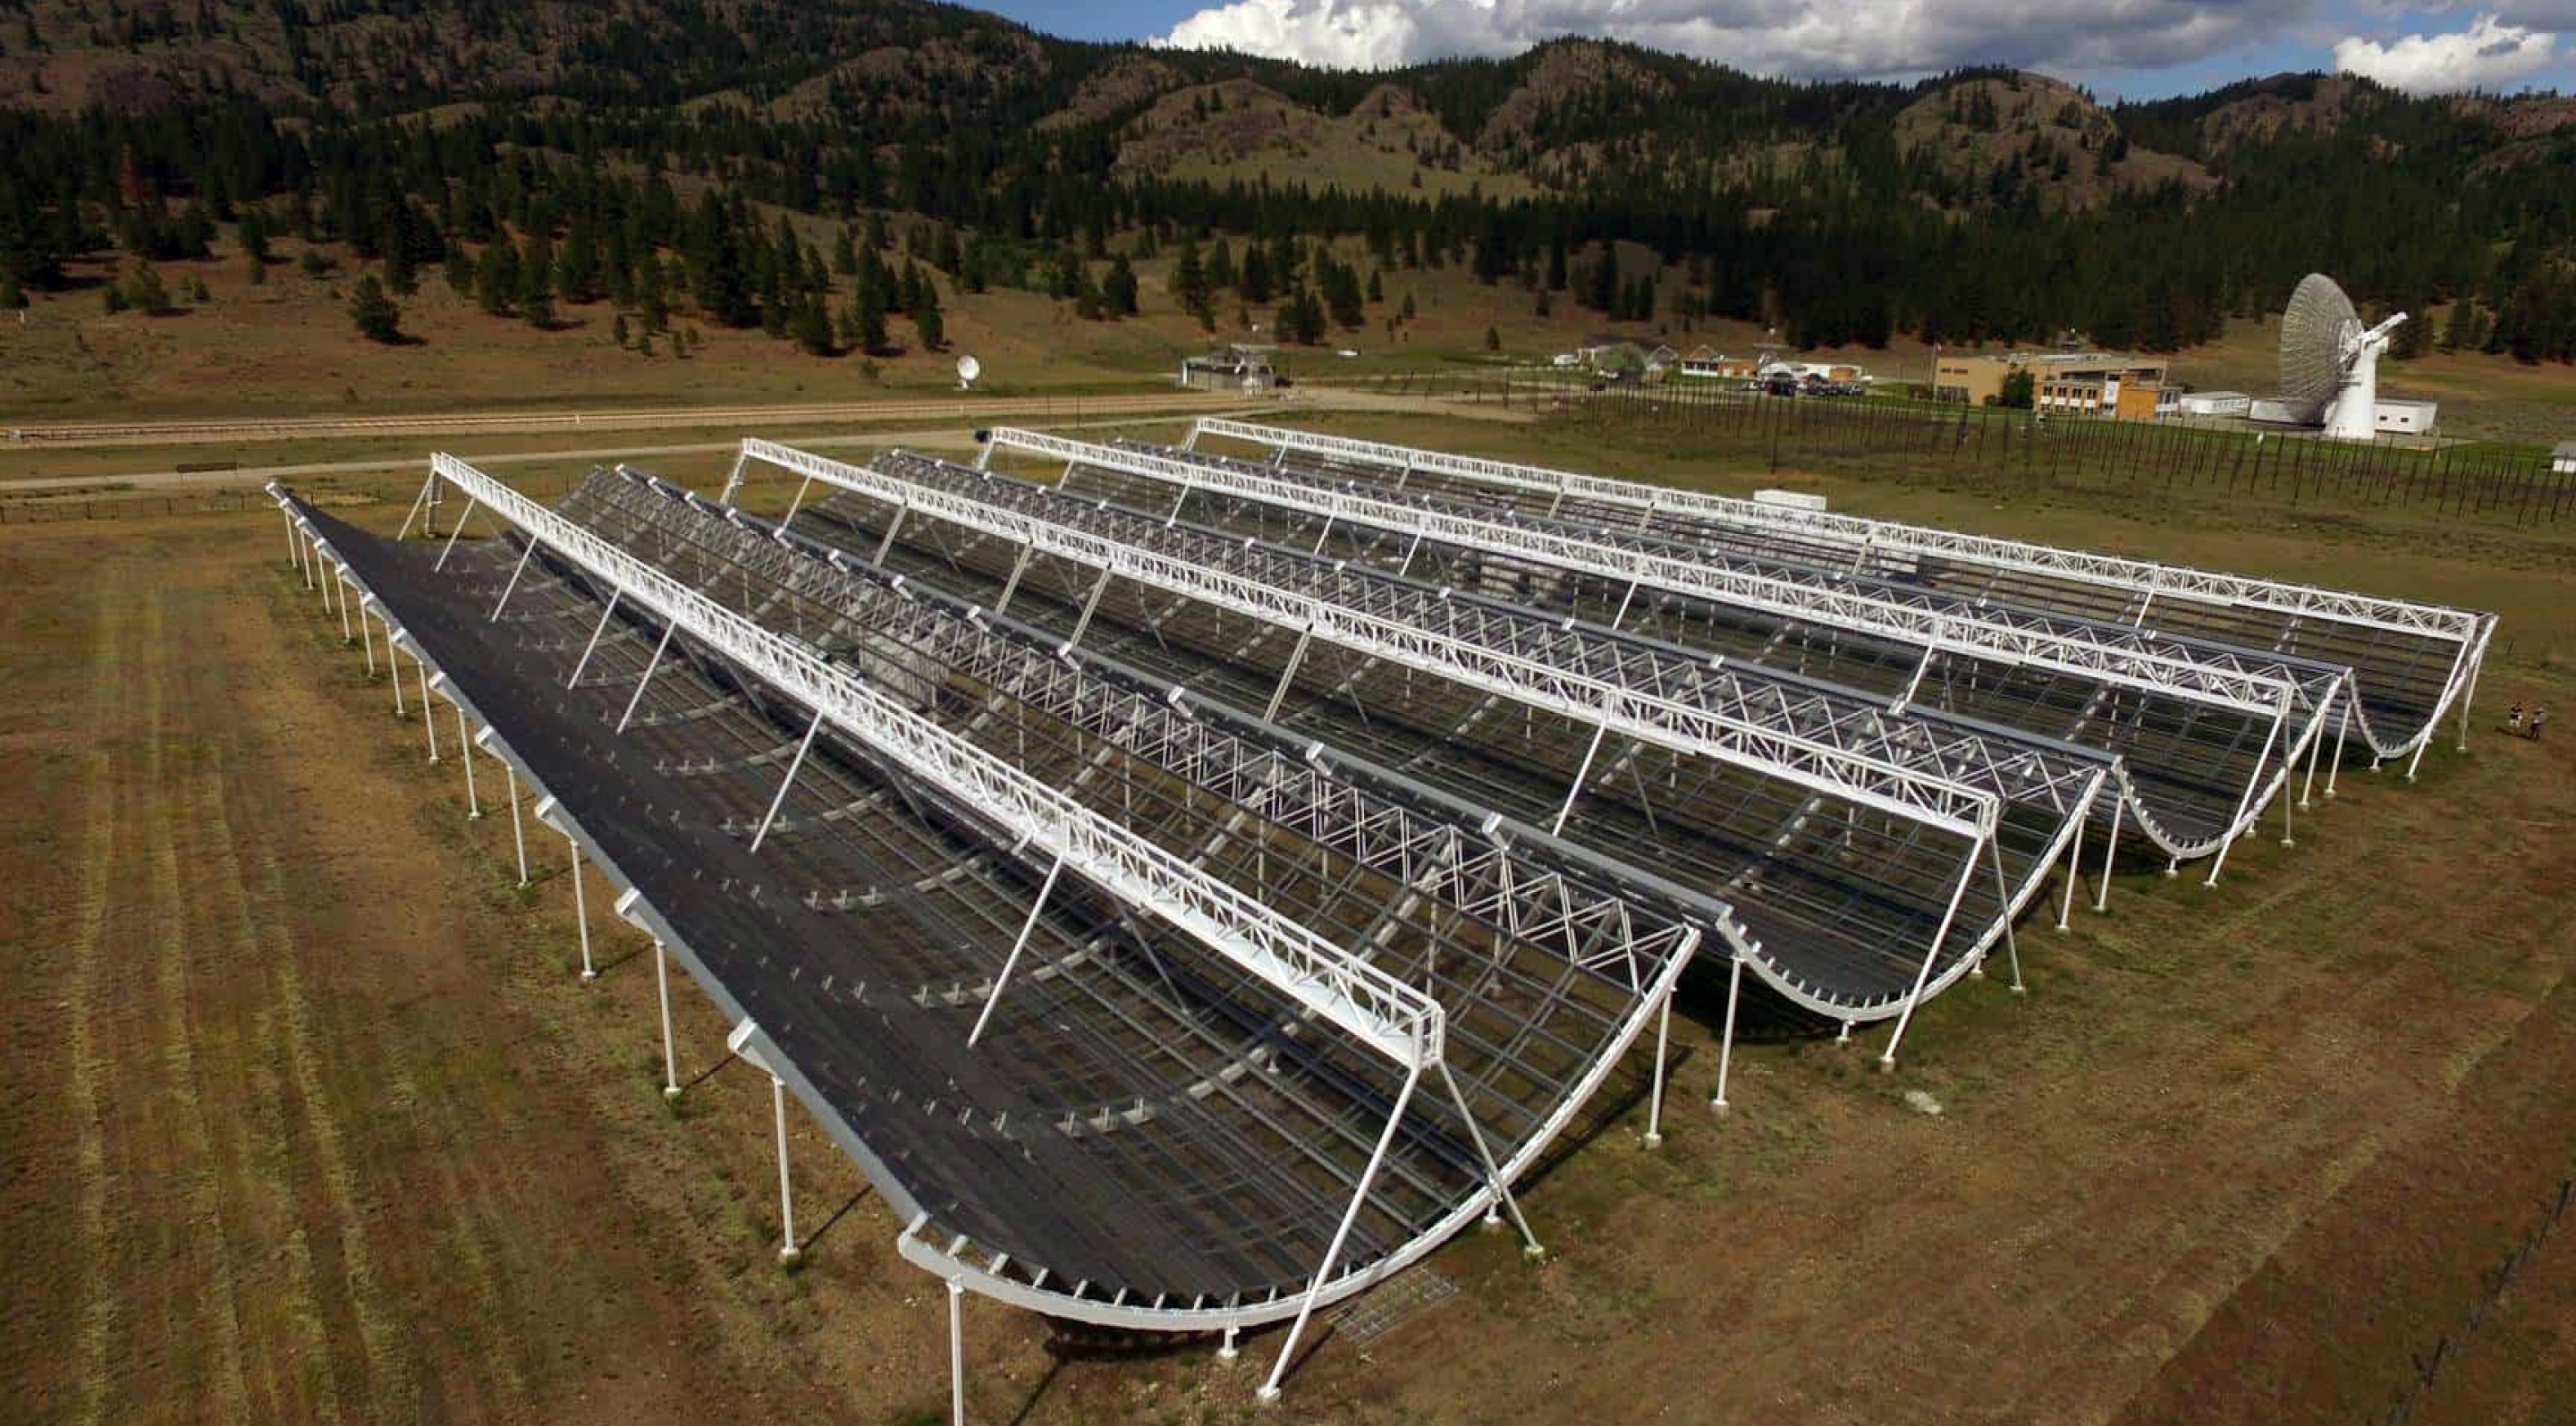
2144 576
1990 634
1884 786
1394 1018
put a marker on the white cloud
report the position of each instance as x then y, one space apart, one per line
2489 54
1876 38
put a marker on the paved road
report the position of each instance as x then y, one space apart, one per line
294 428
954 433
928 437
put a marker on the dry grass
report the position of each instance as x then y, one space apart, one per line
307 1119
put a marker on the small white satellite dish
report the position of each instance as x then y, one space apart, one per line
967 370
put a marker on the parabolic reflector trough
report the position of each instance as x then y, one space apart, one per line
1193 893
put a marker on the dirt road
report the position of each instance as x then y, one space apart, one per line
961 409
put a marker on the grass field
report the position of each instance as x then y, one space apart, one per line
307 1119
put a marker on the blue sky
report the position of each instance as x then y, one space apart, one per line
2119 47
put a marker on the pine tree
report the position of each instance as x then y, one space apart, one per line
496 278
927 321
1118 290
376 316
1189 280
537 283
813 327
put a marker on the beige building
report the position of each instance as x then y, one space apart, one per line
2112 384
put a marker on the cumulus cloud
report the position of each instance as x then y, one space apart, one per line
1869 38
2489 54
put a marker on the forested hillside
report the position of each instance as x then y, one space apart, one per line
654 155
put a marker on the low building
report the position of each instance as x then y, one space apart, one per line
1235 367
2214 403
2111 384
2391 417
2562 461
2404 418
1708 363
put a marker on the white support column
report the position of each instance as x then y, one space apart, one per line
650 667
581 910
1726 1044
956 1353
473 803
393 666
1089 607
2468 696
1410 549
428 714
788 1252
1333 1250
893 526
450 547
508 589
1045 889
2003 900
1599 731
518 833
417 502
793 505
2418 760
607 612
2261 760
793 767
1887 1059
294 550
1288 675
367 638
1624 601
670 1051
2316 753
2110 849
2343 725
1322 535
345 635
1011 586
1493 1172
2074 867
733 477
305 565
1655 1098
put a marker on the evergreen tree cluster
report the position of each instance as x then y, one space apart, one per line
819 222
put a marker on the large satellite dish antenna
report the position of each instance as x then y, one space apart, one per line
967 370
2329 361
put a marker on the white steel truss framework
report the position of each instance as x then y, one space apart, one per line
2054 798
2470 631
678 608
1992 632
2292 703
1710 708
1365 1002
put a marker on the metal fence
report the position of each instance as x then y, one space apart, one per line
2477 481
